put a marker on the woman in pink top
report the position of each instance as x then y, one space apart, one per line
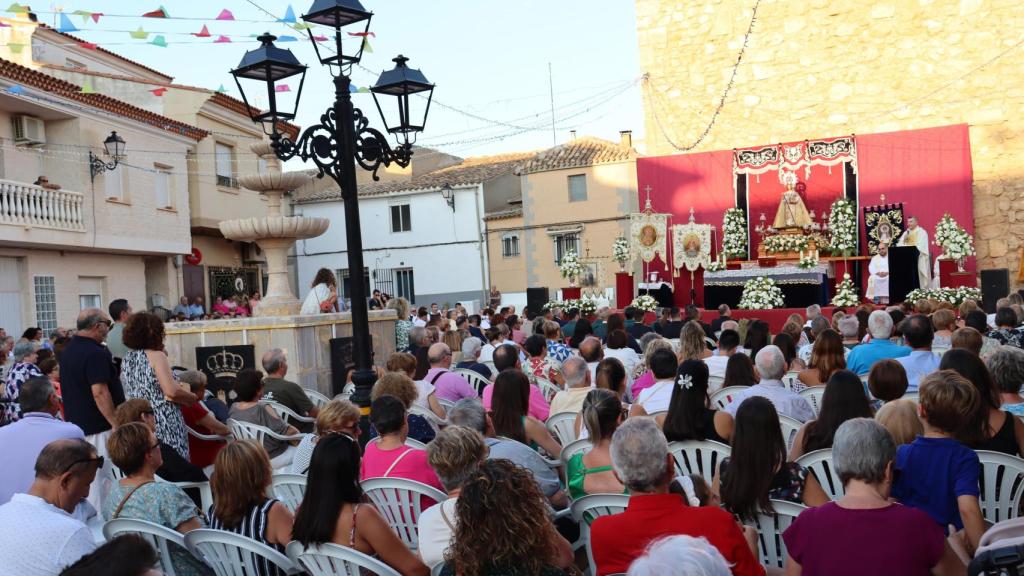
647 380
515 326
388 456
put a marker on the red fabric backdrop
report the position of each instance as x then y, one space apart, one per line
929 170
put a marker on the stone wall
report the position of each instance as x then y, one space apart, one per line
820 68
305 338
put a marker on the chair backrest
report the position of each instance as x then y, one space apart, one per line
715 381
414 443
563 427
819 462
588 508
316 398
814 395
289 489
1002 485
547 387
333 559
401 501
247 430
771 547
287 414
446 404
701 457
474 378
231 554
429 415
158 536
789 379
723 397
790 426
571 449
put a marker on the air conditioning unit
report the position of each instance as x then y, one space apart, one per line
251 254
28 131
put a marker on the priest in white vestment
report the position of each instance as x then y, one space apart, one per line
916 236
878 281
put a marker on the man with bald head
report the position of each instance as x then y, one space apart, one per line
286 392
592 351
447 384
91 389
577 386
771 365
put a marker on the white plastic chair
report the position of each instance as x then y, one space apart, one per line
249 431
588 508
316 398
205 492
563 427
716 382
414 443
819 462
724 397
1002 485
287 414
446 404
436 569
160 537
231 554
573 448
475 380
701 457
289 489
400 501
772 549
547 387
433 419
789 379
814 395
208 437
790 426
333 559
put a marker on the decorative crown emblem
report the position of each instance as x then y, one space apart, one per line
225 364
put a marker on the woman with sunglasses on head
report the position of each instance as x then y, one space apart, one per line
335 417
135 450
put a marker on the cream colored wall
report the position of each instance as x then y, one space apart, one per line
818 68
508 274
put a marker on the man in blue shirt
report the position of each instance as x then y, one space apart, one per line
918 333
880 347
196 310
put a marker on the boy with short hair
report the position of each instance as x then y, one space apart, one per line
936 473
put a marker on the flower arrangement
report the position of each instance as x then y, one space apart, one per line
644 302
786 243
954 296
761 294
734 233
808 259
846 293
620 250
555 304
715 266
842 223
953 239
586 305
570 266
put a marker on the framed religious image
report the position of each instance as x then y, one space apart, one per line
591 275
648 234
691 245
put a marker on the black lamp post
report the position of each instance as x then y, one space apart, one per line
114 147
341 140
448 193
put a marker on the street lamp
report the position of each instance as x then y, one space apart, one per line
114 147
449 195
341 140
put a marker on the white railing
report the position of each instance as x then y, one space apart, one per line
27 205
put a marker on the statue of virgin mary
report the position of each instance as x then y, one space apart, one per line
791 213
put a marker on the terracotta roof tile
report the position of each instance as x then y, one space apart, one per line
105 51
236 105
474 170
585 151
33 79
502 214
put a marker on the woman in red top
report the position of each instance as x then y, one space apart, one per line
201 452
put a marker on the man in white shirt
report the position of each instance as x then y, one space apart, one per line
592 352
421 317
771 365
656 398
728 342
577 386
38 536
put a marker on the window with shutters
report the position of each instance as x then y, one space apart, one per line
577 188
225 165
162 186
564 243
510 245
46 302
401 218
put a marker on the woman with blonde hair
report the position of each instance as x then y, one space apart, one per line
692 345
336 417
403 324
399 385
900 418
241 480
405 363
944 322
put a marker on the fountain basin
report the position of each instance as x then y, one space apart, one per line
265 227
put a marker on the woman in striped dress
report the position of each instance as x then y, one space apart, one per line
241 477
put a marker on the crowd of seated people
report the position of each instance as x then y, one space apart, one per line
904 400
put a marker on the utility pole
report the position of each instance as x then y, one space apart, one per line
551 87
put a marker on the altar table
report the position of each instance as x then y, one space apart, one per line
801 287
660 291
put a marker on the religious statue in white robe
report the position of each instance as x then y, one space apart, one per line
916 236
878 281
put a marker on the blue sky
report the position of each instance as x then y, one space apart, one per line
488 59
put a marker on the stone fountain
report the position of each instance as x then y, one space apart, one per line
274 233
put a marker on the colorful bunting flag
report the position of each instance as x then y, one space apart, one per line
17 8
363 90
222 39
366 46
159 41
87 87
282 88
222 89
158 91
88 45
320 38
289 16
15 47
158 13
85 14
204 33
287 39
301 26
15 89
363 34
96 17
226 14
139 34
66 25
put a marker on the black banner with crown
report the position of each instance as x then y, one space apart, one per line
221 364
883 224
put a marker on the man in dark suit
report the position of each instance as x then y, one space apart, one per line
674 326
723 316
637 328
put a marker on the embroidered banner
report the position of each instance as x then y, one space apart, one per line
883 223
648 236
828 152
691 245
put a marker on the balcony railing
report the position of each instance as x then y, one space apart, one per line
26 205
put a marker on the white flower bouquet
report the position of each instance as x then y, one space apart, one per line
734 233
954 296
570 266
786 243
761 294
620 250
644 302
846 293
808 260
842 224
955 242
586 305
715 266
